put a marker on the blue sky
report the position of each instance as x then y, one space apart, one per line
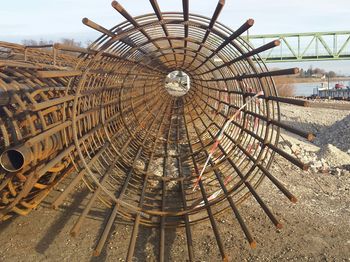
52 20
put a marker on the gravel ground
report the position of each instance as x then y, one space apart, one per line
316 228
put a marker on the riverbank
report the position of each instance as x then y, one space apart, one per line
299 80
301 86
317 80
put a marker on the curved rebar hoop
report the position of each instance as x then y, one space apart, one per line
102 114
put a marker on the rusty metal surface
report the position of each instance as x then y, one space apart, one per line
102 114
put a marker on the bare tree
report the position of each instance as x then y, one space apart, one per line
70 42
284 86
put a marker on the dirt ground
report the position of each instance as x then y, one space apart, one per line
316 228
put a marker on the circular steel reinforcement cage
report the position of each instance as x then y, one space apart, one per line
102 114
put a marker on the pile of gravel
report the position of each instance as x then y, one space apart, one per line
337 134
334 156
328 159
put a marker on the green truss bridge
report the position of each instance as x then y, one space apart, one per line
299 47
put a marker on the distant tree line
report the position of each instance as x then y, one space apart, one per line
316 72
66 41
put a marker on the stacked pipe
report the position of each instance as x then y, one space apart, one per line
102 115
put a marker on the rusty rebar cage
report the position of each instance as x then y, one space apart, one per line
102 114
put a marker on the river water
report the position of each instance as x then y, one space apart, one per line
307 89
